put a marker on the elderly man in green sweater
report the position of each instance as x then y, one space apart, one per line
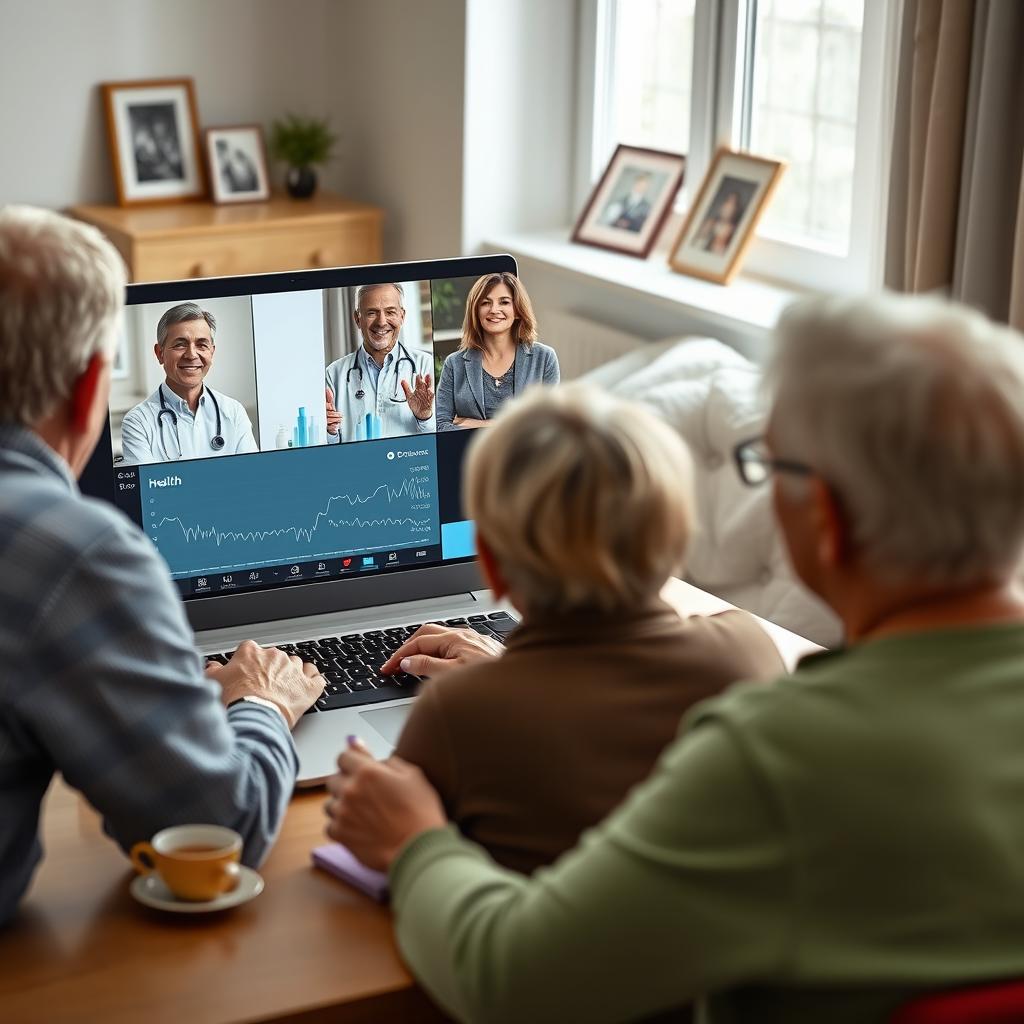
824 847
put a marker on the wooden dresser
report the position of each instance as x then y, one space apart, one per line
183 240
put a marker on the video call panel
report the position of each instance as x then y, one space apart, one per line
276 371
336 466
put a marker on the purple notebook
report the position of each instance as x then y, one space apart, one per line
340 862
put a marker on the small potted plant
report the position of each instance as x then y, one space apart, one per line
301 142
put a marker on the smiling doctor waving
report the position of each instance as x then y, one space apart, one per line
383 377
185 418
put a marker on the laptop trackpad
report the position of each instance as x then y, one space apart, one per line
387 721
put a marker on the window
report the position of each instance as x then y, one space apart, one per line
806 81
652 74
803 108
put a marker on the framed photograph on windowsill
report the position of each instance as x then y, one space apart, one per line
721 222
237 159
629 204
154 141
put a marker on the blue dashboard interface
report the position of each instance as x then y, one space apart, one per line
213 516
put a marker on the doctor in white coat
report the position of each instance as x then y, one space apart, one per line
185 418
383 377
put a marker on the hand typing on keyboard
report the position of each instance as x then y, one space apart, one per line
365 668
254 671
434 649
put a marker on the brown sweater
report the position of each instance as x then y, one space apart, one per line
529 750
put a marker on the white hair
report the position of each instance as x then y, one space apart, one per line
585 500
61 295
363 289
912 410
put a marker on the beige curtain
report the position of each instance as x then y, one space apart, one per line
956 198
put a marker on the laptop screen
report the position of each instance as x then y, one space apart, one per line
280 430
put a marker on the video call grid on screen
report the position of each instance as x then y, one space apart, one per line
256 491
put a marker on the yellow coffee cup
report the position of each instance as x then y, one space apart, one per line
196 862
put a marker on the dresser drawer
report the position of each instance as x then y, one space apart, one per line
257 251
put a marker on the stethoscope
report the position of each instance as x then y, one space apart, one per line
361 393
216 442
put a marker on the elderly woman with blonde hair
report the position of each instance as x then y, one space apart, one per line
583 510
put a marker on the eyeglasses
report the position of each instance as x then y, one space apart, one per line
755 464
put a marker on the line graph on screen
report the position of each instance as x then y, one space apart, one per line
249 511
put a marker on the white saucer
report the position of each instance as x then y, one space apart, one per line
151 891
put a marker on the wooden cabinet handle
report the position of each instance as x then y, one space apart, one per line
319 258
200 269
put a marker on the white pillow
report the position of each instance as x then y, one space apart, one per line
712 395
611 376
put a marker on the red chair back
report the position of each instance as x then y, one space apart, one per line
997 1003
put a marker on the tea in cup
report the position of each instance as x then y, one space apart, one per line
196 862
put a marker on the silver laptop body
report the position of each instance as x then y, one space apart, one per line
320 737
256 544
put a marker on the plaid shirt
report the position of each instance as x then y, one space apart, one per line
101 681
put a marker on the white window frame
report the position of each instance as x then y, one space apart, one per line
720 87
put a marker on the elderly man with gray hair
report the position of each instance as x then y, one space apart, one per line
185 418
101 680
825 847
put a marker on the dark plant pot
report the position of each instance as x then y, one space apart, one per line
301 182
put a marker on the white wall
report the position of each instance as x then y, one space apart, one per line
391 75
456 116
519 117
252 61
396 72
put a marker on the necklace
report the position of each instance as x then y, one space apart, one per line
498 380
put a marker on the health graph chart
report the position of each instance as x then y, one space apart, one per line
247 511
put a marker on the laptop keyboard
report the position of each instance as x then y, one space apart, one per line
351 663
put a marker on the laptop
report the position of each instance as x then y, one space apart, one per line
335 544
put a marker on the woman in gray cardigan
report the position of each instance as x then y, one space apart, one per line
499 356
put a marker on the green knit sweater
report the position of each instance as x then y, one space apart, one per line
816 849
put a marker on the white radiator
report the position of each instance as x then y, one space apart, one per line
582 344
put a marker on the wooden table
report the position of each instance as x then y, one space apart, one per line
307 949
690 600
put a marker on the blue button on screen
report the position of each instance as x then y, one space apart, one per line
458 540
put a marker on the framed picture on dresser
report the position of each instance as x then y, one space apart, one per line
237 159
154 140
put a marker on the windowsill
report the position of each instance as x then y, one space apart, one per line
747 305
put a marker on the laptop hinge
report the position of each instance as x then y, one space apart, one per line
355 620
